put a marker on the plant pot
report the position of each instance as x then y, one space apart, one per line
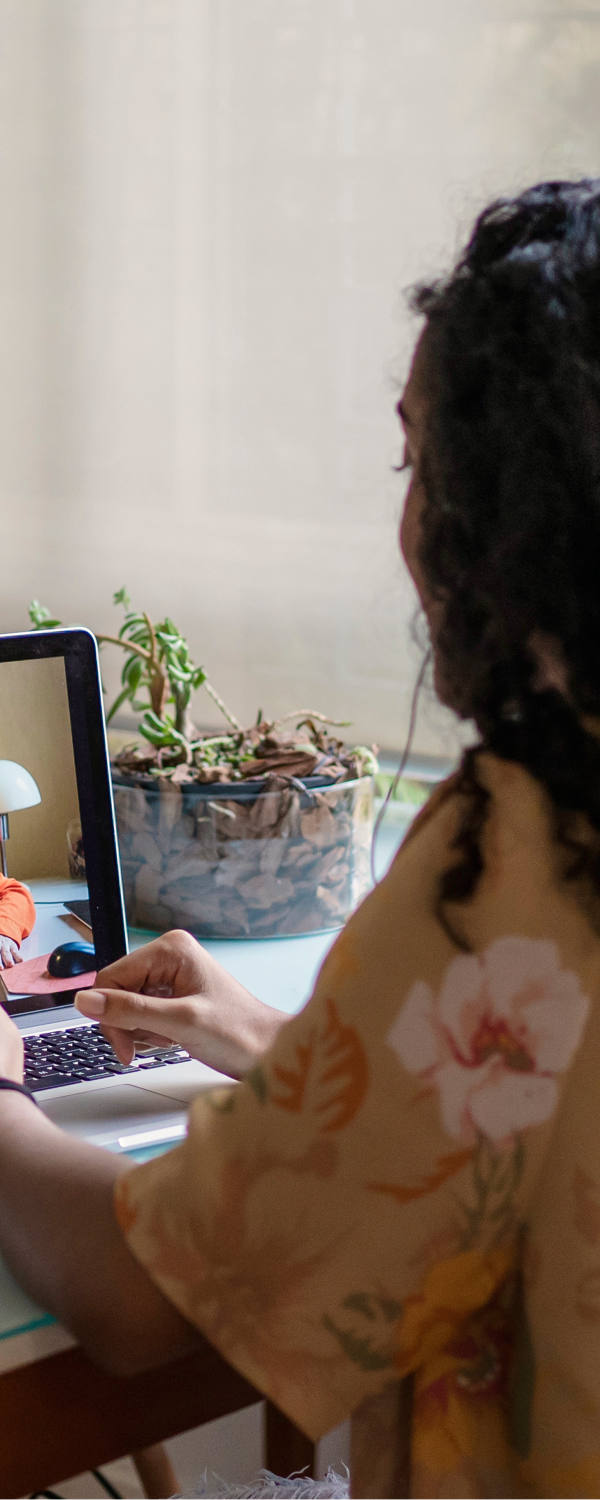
243 859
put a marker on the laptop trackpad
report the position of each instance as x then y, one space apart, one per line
119 1117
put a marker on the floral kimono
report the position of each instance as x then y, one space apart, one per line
397 1214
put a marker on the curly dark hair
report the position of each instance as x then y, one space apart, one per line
511 518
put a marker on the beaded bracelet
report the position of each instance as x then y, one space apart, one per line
18 1088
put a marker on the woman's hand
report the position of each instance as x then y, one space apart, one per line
11 1049
172 990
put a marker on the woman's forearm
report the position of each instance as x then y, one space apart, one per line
61 1240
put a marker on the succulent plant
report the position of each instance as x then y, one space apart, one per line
158 680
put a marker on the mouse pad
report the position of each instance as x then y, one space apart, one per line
28 978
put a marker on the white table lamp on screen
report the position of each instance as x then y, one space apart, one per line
17 789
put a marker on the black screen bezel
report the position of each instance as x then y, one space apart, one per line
79 652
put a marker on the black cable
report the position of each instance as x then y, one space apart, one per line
106 1484
405 754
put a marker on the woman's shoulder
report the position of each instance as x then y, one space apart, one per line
492 817
511 800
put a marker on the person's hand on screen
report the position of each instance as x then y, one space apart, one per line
172 990
9 952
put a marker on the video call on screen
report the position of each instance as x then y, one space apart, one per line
44 901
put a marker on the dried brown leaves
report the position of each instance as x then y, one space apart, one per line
256 862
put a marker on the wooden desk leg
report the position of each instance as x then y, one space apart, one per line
62 1415
286 1447
155 1472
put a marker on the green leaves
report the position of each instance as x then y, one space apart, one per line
114 708
371 1347
257 1080
160 732
158 675
367 760
158 679
132 673
368 1342
41 618
122 597
497 1173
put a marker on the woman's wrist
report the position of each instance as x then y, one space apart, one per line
10 1085
268 1024
257 1028
233 1029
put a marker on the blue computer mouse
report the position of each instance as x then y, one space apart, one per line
70 959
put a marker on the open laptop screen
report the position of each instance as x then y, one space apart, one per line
63 847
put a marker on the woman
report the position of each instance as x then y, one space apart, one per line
396 1214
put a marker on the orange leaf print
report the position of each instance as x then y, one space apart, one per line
347 1071
329 1075
294 1079
446 1168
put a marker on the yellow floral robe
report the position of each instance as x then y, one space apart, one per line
397 1214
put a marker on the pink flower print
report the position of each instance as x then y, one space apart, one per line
503 1025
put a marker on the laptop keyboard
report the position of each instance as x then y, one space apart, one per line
81 1053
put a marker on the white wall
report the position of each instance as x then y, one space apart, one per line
210 209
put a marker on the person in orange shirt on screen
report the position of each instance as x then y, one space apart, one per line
17 917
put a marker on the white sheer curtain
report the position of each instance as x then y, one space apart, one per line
210 209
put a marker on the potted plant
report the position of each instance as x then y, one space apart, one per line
255 832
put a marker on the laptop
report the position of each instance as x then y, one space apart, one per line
64 849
